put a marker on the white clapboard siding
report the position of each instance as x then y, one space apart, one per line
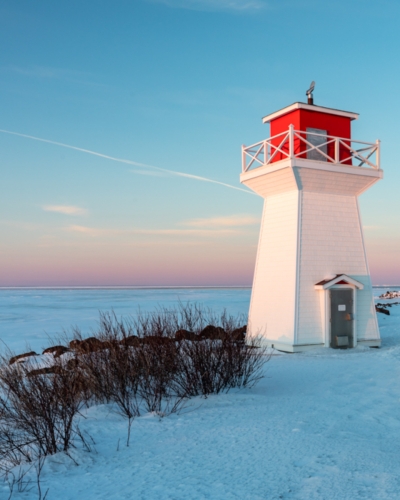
310 230
272 312
331 243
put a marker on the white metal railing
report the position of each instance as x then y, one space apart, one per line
299 144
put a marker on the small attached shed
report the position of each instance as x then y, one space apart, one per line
338 299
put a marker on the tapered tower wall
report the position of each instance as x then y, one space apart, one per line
331 243
273 301
311 229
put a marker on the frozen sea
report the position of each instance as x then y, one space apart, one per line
29 316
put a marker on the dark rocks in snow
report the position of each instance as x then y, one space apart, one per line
239 334
90 344
44 371
132 341
213 333
20 357
74 343
155 339
185 335
382 310
56 350
390 295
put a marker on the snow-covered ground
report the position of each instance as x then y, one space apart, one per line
320 425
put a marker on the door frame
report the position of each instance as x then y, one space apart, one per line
353 312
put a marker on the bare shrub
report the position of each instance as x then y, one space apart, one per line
37 413
159 360
214 366
113 375
17 479
149 362
220 358
135 377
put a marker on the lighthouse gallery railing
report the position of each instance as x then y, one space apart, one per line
299 144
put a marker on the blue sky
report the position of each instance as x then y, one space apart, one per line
180 85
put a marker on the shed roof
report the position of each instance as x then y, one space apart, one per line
339 279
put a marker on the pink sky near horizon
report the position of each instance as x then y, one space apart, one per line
383 258
104 262
213 261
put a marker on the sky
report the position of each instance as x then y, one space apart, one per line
142 107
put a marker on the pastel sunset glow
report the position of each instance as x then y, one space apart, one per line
121 128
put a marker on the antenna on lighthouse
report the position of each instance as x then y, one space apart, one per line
309 93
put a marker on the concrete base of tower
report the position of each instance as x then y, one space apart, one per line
291 348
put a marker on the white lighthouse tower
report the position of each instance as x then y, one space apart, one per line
311 285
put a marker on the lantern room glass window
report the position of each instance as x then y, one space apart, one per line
319 141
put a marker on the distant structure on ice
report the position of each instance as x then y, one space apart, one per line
311 285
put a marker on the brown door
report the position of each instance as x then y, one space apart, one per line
342 324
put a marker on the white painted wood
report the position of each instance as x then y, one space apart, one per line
311 176
298 255
337 150
372 309
378 154
272 310
336 280
310 230
264 152
310 107
331 243
291 142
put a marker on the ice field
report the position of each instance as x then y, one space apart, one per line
320 425
31 316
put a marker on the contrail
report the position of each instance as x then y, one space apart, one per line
128 162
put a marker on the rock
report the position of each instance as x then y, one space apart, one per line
90 344
132 340
107 344
213 333
155 340
185 335
44 371
390 295
239 334
74 343
21 356
56 350
382 310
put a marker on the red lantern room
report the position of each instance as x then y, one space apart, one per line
307 132
325 128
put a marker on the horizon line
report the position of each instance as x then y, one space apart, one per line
119 287
143 287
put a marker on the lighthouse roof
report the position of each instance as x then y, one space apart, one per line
309 107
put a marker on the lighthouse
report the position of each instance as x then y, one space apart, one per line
312 285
